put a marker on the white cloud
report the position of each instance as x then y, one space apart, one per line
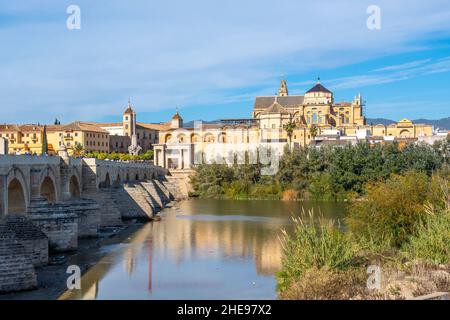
189 53
407 65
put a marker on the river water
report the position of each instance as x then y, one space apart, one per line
201 249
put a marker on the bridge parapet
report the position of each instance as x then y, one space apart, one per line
104 173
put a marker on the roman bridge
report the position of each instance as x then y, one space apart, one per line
48 203
24 179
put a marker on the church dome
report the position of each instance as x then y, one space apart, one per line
318 88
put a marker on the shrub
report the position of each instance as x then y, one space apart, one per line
290 195
313 246
265 191
321 187
391 209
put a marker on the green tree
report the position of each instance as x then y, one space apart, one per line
78 149
289 128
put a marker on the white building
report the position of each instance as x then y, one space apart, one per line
3 146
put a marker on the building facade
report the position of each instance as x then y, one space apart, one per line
90 137
23 139
121 132
312 117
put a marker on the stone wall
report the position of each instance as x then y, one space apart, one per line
16 269
108 212
88 213
180 182
34 241
58 222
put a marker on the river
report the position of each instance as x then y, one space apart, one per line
201 249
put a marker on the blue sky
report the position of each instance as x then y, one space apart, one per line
210 58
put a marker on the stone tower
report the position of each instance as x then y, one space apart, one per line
129 121
177 121
283 92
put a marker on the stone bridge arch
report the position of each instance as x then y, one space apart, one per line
74 187
106 182
48 185
117 181
18 192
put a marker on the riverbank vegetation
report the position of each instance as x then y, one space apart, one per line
398 217
401 225
319 174
119 156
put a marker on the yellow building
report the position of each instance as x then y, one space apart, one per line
23 139
91 137
403 129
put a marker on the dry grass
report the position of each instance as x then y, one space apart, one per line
327 284
290 195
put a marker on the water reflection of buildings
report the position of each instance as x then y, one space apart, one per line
129 260
180 238
188 237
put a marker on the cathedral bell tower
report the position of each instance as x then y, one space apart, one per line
129 121
177 121
283 92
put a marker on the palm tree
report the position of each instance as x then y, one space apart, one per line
289 128
313 131
78 149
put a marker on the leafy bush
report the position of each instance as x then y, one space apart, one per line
321 187
391 210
